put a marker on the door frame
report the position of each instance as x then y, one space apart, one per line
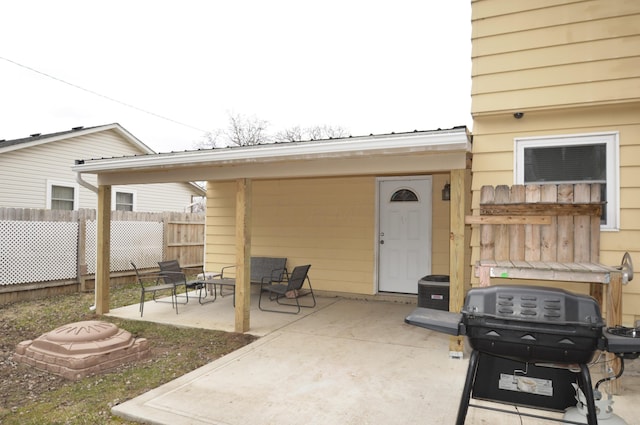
376 235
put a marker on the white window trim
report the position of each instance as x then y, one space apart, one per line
76 191
115 190
612 142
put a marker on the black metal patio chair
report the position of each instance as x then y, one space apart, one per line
176 275
149 283
286 293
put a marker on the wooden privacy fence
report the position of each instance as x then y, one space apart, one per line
546 232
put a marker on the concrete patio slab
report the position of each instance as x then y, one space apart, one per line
346 361
219 315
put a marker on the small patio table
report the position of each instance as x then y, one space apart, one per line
222 282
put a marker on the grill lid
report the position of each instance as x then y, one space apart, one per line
532 304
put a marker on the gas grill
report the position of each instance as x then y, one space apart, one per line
528 344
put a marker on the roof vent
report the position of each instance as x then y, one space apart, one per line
77 128
35 134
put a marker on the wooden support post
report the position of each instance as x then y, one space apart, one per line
487 242
103 269
613 318
243 254
460 182
597 291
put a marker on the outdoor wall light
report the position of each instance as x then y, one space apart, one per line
518 115
446 192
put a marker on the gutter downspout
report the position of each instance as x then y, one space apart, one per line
85 183
94 189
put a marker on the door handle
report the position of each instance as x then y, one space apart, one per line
381 242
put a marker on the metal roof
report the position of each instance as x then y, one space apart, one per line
456 138
384 154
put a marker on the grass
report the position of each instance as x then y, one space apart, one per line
30 396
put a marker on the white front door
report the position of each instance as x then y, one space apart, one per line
404 233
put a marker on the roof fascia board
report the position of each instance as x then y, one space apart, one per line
451 140
420 163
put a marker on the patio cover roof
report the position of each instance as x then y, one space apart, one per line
376 155
417 151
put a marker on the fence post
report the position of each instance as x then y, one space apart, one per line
166 218
81 261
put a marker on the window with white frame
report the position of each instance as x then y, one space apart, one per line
588 158
62 196
124 201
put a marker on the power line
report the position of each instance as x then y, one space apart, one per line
102 95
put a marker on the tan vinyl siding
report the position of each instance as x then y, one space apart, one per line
24 174
220 225
440 227
572 67
328 223
552 54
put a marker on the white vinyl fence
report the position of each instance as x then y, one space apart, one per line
39 246
37 251
140 242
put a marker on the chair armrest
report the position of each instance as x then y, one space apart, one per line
149 276
141 274
224 268
279 275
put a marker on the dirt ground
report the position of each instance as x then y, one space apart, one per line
26 392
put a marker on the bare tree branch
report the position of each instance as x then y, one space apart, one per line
210 139
246 131
292 134
318 132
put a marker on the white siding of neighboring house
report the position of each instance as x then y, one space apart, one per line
24 174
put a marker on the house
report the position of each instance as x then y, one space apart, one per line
556 98
35 172
367 212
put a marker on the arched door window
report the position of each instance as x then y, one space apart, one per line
404 195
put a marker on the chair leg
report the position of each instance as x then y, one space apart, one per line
174 296
186 293
203 287
277 298
141 308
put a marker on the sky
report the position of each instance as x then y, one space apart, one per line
169 71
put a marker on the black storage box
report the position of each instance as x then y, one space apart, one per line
433 292
533 324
